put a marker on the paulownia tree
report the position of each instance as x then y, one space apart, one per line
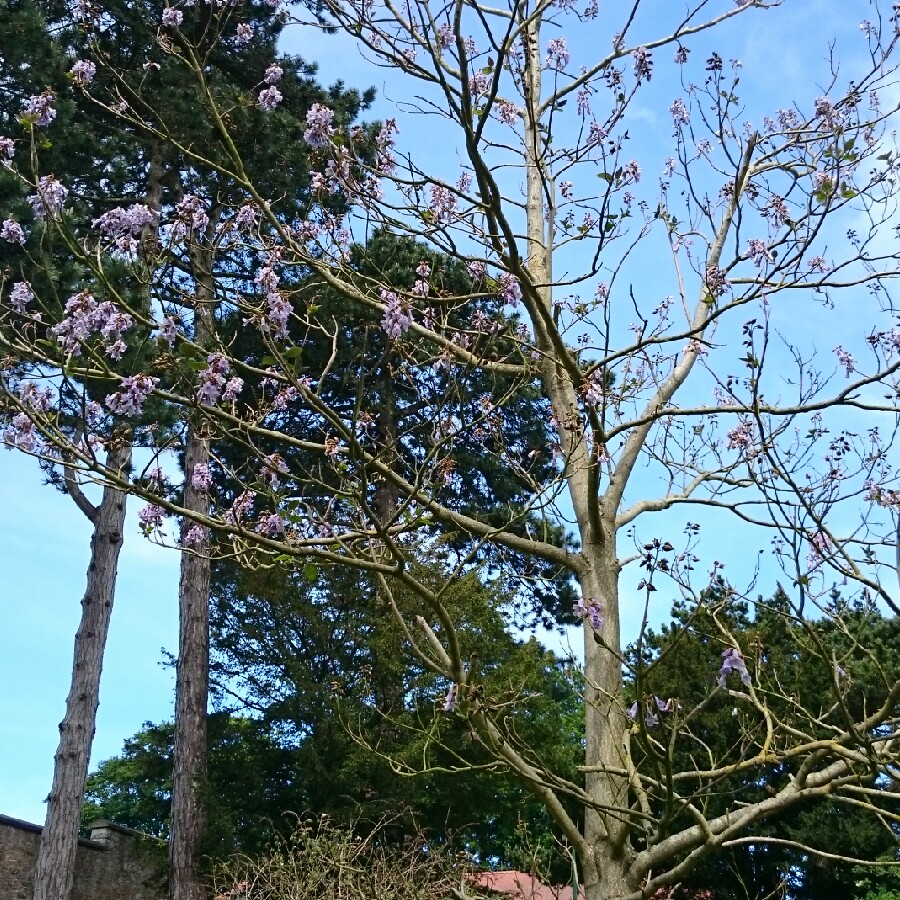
704 403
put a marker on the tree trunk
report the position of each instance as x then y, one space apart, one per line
55 867
188 817
187 830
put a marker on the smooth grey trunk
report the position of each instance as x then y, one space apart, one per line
188 816
605 855
55 868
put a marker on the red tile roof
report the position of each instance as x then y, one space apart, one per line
521 886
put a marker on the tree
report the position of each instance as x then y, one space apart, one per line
100 155
748 217
789 663
35 59
303 657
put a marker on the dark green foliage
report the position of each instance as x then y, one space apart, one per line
305 655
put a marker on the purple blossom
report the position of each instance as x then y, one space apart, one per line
631 173
20 296
83 72
476 269
129 401
397 317
643 64
669 167
680 112
278 314
201 478
195 537
241 507
777 212
50 197
172 18
191 214
21 433
450 699
742 437
246 217
650 717
565 188
271 525
443 202
716 282
846 360
601 293
557 54
36 398
384 143
480 83
151 518
445 35
819 548
273 74
319 130
596 134
85 317
168 331
632 711
266 278
123 225
593 388
732 661
590 611
758 250
584 102
421 286
510 289
507 112
826 113
212 379
273 468
681 55
269 98
233 387
124 220
7 151
244 33
38 109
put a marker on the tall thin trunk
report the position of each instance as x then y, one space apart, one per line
187 831
188 817
55 868
388 677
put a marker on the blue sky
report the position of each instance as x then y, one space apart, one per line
43 559
44 546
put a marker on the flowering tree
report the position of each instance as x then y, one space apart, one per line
709 408
96 154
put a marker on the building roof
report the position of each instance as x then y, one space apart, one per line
521 886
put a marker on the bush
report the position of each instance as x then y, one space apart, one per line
322 861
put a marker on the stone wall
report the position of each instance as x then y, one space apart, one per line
116 863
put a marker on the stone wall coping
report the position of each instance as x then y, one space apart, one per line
106 825
22 825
